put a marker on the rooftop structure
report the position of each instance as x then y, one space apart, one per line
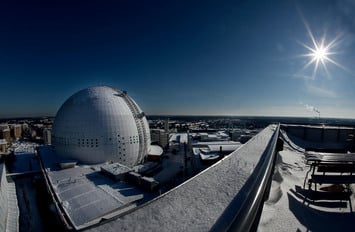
214 150
99 135
47 136
5 134
17 131
86 195
116 171
3 145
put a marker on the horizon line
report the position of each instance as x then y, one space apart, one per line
191 115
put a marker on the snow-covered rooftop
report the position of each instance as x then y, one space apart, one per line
155 150
179 137
199 203
86 195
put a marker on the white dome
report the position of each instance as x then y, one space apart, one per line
101 124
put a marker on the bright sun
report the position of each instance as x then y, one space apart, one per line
319 53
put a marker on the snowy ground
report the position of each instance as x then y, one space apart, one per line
288 210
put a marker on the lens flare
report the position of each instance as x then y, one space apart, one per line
320 52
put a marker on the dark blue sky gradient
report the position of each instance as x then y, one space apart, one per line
177 57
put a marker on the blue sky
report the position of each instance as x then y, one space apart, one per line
179 57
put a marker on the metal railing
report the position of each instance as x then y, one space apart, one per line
247 206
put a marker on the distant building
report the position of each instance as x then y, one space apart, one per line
47 136
5 134
25 126
38 129
159 136
4 126
3 145
166 126
235 135
32 134
17 131
219 136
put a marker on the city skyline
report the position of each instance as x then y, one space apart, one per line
289 58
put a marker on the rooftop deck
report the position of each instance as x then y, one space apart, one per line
291 205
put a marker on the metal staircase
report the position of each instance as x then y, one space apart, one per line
138 117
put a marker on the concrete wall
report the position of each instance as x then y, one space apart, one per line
3 198
322 136
9 211
313 134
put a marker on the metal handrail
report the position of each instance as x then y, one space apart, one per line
248 204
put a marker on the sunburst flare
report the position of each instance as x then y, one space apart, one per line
320 52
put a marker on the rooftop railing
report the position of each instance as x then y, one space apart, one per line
247 205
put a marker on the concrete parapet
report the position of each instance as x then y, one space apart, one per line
321 137
9 212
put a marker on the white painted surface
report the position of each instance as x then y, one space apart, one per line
101 124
